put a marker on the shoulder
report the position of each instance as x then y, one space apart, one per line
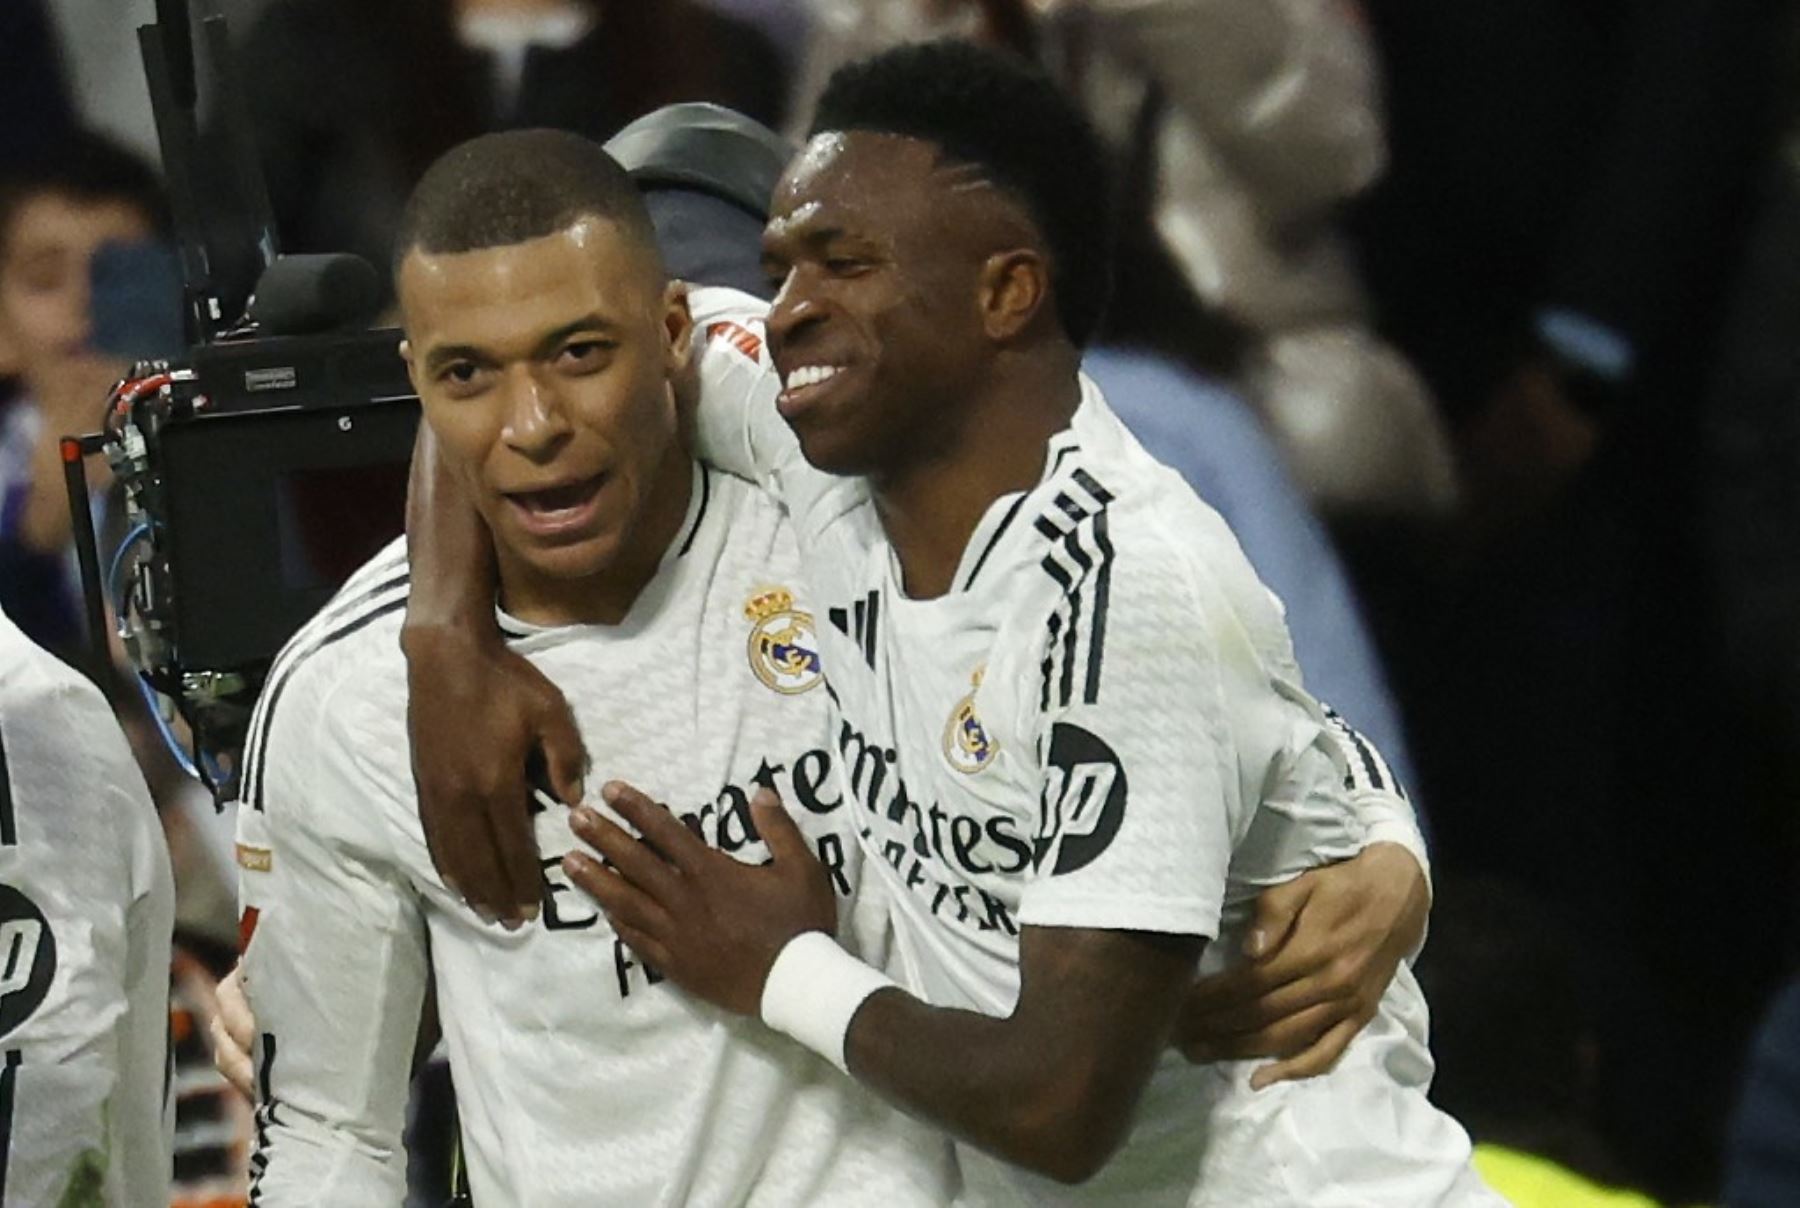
33 682
72 799
1159 513
338 686
51 717
713 305
1122 562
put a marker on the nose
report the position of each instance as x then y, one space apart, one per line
537 425
793 311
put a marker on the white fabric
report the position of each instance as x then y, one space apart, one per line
814 990
1140 754
581 1078
86 909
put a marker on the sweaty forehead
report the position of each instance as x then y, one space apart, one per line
871 183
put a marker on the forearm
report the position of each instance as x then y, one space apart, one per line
449 548
1103 1003
988 1082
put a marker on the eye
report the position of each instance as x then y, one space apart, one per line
462 379
585 356
42 280
846 266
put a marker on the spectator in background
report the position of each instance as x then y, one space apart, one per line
350 100
1762 1168
35 101
58 207
1564 205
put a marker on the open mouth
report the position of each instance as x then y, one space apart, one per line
554 509
803 384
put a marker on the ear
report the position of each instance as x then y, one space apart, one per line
1015 285
412 367
678 329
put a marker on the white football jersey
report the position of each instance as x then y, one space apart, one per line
87 906
581 1077
1100 725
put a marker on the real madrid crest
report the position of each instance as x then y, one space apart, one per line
966 742
783 652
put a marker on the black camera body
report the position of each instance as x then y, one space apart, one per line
271 470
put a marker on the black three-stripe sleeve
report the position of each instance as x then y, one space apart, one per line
265 1116
1079 560
347 622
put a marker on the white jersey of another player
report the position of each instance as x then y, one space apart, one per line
1102 725
581 1079
87 906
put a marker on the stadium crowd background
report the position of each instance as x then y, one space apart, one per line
1490 313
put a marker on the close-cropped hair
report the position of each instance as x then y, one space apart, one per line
502 189
86 167
1005 117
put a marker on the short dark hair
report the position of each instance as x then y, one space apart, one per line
86 166
502 189
1001 114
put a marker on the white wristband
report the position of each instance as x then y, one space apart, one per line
814 989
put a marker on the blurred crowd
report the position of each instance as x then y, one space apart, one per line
1482 320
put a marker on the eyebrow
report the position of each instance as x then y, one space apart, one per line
444 354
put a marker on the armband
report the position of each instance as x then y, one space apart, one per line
814 989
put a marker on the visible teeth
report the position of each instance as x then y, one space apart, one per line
810 375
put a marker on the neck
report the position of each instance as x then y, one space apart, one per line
929 508
606 596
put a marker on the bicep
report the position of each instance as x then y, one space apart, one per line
1107 986
1105 1003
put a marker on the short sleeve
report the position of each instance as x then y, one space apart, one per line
737 425
1137 808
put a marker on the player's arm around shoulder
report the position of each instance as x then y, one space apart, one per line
335 963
